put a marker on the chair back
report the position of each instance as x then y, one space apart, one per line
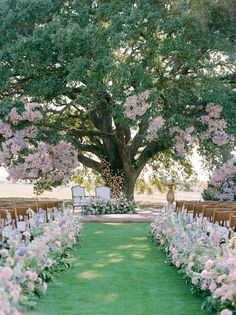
222 216
52 205
22 212
41 204
179 204
78 193
198 209
232 221
4 215
189 205
103 193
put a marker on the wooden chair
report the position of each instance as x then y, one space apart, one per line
208 211
42 205
52 204
198 209
189 206
222 216
3 215
232 221
22 214
51 207
179 204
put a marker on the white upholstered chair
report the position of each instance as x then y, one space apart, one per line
78 197
103 193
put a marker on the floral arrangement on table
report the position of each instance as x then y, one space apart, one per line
28 260
222 185
203 252
113 206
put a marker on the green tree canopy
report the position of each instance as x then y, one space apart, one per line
81 59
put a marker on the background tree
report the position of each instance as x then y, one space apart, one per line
93 64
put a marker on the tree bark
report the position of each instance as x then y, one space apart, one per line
129 185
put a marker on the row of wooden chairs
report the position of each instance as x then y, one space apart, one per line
223 213
19 213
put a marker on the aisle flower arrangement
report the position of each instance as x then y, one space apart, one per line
29 260
203 252
113 206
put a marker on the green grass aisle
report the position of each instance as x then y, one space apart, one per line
119 272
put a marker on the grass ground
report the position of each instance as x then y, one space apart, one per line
117 271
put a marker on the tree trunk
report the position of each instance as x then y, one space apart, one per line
129 185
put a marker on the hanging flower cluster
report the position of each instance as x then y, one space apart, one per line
222 185
28 159
136 105
154 125
203 253
182 138
216 126
30 114
49 164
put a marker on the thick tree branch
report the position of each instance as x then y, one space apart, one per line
98 151
148 153
138 139
83 132
96 166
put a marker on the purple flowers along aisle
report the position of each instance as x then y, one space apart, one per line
203 252
29 260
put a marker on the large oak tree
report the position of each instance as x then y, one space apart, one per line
81 59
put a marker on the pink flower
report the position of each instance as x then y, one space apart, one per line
30 286
32 275
71 235
226 312
174 250
27 234
232 276
190 266
136 105
208 264
204 274
204 285
218 292
177 264
217 237
229 295
175 256
191 257
154 125
6 273
212 286
194 280
162 241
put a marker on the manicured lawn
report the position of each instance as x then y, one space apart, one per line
119 272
